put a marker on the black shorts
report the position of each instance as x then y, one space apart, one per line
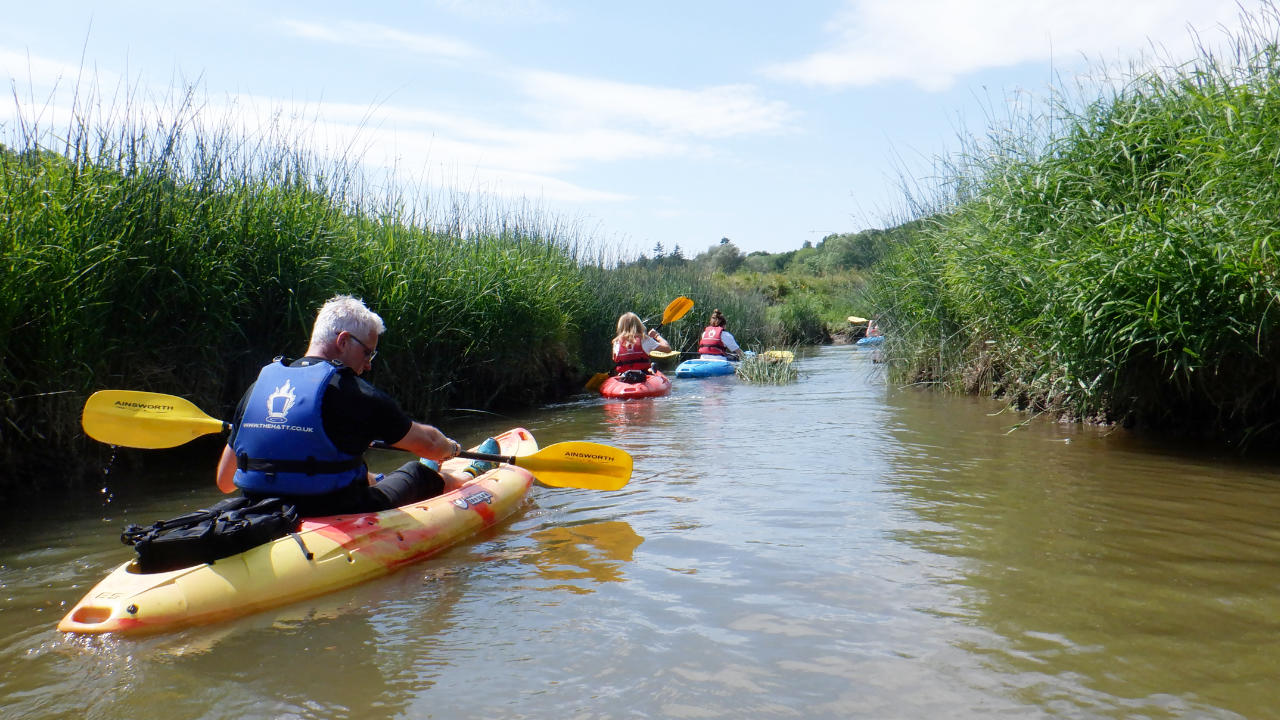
411 482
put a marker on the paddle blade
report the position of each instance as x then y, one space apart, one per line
144 420
591 466
676 309
596 381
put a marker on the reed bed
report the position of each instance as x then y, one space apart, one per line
1124 270
761 369
155 249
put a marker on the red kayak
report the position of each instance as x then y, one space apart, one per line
655 384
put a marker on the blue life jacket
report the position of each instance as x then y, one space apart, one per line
281 447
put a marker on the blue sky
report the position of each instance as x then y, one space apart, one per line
673 122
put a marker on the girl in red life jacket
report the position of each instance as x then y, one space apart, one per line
632 344
717 342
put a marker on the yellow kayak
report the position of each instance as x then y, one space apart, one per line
325 554
779 355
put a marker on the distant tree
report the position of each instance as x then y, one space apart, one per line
676 254
657 250
762 262
725 257
807 245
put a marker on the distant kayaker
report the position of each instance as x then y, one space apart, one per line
873 329
301 430
717 342
632 345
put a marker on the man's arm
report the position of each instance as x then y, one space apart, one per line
427 442
227 470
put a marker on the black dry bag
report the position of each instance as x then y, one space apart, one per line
229 527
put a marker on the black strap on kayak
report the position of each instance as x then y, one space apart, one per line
305 552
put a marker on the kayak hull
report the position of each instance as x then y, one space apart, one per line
875 340
698 368
325 554
654 384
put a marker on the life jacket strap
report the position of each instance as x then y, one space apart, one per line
310 466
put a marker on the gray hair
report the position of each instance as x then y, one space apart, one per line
343 312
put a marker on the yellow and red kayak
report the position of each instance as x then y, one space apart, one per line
325 554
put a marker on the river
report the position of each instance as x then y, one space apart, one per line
833 548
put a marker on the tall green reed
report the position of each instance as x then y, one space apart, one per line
172 256
1124 267
155 248
761 369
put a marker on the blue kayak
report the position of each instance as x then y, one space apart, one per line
871 340
697 367
703 368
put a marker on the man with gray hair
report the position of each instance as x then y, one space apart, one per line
300 431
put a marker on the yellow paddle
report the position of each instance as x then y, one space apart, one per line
676 309
145 420
152 420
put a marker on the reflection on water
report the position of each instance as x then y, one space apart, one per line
595 551
1119 581
831 548
630 412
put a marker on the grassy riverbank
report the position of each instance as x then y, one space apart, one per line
180 259
1126 269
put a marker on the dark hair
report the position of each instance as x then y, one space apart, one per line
717 319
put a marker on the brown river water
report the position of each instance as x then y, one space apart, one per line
833 548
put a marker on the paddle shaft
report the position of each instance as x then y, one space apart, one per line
504 459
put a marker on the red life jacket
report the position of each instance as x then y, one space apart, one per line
711 343
631 356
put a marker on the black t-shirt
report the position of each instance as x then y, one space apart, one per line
354 413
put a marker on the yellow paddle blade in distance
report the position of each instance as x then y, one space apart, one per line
596 381
587 465
855 320
144 420
676 309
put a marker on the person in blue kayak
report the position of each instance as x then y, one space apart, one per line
301 430
717 342
632 345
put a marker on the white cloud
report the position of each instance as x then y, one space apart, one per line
933 42
716 112
38 72
493 159
470 141
559 125
370 35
